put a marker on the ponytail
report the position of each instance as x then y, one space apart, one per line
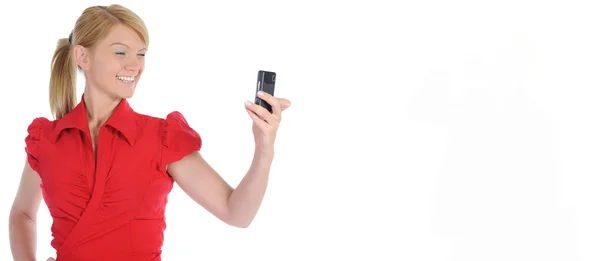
62 80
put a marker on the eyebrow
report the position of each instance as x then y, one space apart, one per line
143 49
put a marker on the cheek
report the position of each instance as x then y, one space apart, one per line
105 73
107 67
142 66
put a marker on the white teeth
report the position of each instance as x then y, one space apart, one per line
126 78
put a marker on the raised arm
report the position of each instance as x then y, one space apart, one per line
236 207
205 186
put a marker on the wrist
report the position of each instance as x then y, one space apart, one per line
264 155
264 152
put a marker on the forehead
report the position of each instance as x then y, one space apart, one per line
124 35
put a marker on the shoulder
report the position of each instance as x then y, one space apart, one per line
173 123
170 120
38 127
177 137
38 123
37 131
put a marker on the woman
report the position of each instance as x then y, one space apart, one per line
105 170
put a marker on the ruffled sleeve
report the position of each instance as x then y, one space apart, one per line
179 139
32 142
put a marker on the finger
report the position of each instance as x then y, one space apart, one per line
257 120
262 113
50 259
274 102
285 103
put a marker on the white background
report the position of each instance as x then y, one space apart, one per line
419 130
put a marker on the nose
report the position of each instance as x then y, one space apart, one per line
133 64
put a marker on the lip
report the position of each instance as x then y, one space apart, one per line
128 84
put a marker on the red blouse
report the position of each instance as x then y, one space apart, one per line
112 208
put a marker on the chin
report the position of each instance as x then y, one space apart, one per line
126 95
125 89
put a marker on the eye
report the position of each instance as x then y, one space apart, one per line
119 52
142 54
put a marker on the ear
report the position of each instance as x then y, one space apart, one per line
82 57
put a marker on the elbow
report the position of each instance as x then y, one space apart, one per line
240 225
238 222
17 216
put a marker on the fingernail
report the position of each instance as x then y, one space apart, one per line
248 103
260 93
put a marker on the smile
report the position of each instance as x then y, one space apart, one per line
126 78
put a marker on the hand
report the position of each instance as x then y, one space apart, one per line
265 124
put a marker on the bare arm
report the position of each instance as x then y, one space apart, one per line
23 214
236 207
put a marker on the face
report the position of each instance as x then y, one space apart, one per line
115 64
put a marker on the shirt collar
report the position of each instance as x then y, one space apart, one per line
123 119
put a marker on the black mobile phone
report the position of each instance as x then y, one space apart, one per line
265 83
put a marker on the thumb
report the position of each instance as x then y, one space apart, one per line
285 103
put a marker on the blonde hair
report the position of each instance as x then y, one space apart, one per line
92 26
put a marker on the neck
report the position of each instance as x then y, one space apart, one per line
98 106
